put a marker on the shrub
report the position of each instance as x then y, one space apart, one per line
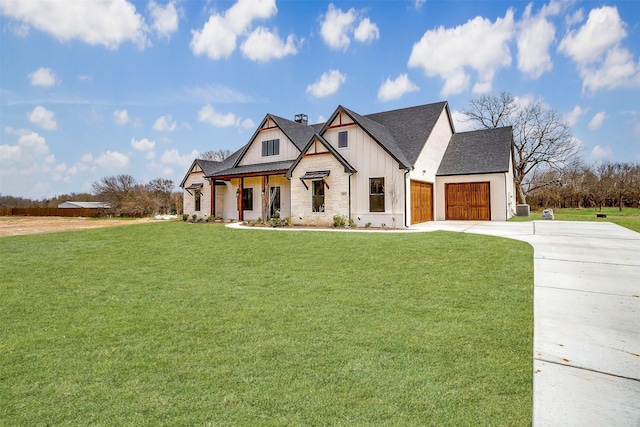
352 223
339 221
367 225
185 217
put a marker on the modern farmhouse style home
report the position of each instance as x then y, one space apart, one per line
393 169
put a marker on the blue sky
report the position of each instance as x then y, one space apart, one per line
97 88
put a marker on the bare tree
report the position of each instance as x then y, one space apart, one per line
216 155
541 137
160 190
118 191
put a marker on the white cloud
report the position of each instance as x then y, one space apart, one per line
601 153
44 77
534 39
263 45
121 117
603 29
143 144
479 45
337 27
85 77
217 39
165 19
44 118
174 157
165 124
208 115
328 84
366 31
106 23
572 117
9 153
597 120
33 142
461 122
112 161
394 89
596 49
248 124
419 3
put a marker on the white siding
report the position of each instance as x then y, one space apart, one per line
229 210
288 151
371 161
430 158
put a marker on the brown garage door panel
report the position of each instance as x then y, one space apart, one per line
468 201
421 202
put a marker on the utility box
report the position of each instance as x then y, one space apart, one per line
522 210
547 214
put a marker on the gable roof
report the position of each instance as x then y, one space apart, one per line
316 137
298 133
211 167
477 152
410 127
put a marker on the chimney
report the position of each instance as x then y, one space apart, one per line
301 118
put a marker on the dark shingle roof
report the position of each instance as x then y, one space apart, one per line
298 133
381 134
410 127
478 151
255 168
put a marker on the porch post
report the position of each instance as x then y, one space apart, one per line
240 204
265 197
212 184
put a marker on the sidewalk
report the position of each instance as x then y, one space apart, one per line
586 359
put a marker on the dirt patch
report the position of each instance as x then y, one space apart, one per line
19 225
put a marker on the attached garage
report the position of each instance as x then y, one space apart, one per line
468 201
421 202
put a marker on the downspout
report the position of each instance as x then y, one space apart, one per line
406 171
350 175
212 185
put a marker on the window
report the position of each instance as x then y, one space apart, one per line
343 139
197 197
247 199
317 202
376 194
271 147
274 200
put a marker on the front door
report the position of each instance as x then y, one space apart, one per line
274 200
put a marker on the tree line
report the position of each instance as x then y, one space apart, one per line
548 169
125 196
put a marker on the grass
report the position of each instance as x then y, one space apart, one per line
197 324
628 217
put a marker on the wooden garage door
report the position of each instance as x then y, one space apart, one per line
421 202
468 201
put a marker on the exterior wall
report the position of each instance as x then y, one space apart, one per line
229 204
336 197
196 176
430 158
498 186
288 151
371 161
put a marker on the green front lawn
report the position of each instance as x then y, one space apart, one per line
628 217
196 324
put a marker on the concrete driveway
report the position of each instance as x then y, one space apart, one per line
586 344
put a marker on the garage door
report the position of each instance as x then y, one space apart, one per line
421 202
468 201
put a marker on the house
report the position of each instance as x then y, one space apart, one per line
393 168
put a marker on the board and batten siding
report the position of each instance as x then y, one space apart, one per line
371 161
431 155
288 151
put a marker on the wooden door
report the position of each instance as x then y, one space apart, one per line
421 202
468 201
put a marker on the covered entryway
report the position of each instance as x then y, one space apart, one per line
467 201
421 202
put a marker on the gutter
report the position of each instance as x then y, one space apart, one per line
405 197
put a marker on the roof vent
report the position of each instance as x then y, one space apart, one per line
302 118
